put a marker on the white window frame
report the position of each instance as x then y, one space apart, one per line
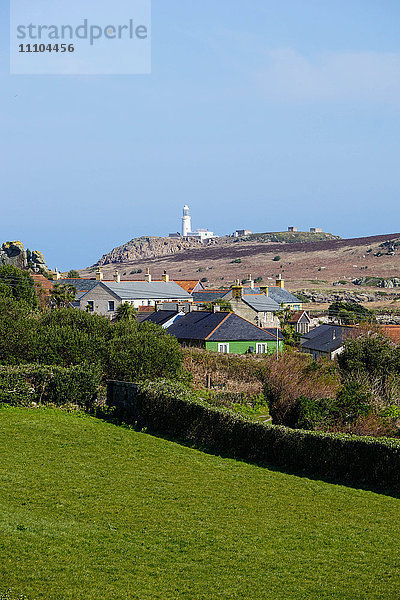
223 348
261 348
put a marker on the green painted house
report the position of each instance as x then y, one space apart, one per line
225 332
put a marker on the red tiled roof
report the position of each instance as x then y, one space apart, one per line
41 281
187 284
392 332
296 316
146 309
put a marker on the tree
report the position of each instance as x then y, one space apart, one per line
125 312
62 295
145 351
19 284
288 331
350 313
224 305
73 274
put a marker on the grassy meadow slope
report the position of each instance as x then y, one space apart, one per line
92 510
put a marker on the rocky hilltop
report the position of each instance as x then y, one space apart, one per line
14 253
156 247
151 247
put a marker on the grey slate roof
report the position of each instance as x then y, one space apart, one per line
325 338
196 325
280 295
219 326
160 317
81 285
143 290
272 331
261 302
208 296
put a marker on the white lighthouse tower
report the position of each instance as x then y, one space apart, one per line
186 221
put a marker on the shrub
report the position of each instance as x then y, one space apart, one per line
123 350
295 375
173 410
276 258
25 384
314 413
18 284
143 352
351 312
73 274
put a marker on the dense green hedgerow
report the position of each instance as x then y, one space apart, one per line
174 410
25 384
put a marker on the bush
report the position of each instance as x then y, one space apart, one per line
25 384
18 284
173 410
351 312
295 375
143 352
122 350
314 413
276 258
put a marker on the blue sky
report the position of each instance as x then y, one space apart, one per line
258 114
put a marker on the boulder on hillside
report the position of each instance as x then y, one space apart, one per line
13 253
38 258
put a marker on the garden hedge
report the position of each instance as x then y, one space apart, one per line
171 409
26 384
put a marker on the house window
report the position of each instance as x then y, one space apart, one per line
224 348
262 348
90 305
111 305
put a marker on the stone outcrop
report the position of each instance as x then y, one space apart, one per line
394 282
345 296
38 258
151 247
14 253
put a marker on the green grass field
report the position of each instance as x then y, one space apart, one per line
90 510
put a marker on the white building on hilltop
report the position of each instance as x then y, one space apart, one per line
186 221
186 230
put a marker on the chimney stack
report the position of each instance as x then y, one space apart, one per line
251 282
279 281
117 276
216 308
57 272
148 276
99 275
165 277
237 290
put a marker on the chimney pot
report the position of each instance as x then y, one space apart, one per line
99 275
